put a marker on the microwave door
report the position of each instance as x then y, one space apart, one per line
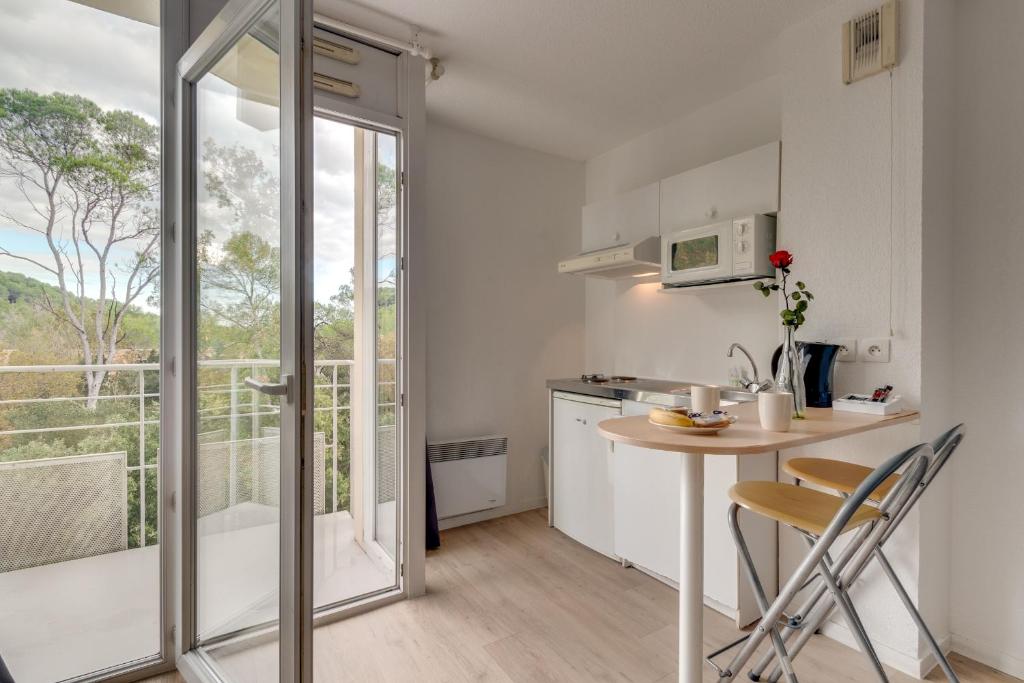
698 254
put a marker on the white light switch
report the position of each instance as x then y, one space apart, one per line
875 350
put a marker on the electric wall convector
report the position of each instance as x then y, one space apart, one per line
469 474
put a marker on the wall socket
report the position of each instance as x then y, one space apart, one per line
875 350
847 349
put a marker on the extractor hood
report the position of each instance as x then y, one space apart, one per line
639 259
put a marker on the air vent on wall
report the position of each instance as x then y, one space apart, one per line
869 43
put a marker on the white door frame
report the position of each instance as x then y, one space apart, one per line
410 124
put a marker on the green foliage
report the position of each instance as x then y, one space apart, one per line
239 284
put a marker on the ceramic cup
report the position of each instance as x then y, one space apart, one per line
775 408
705 400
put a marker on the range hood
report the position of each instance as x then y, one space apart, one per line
639 259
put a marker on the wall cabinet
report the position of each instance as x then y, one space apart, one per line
581 492
739 185
621 220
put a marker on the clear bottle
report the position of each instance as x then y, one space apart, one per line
790 375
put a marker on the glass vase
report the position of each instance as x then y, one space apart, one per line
790 376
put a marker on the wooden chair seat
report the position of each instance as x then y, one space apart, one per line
837 475
802 508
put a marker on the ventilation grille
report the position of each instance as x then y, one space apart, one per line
480 447
869 43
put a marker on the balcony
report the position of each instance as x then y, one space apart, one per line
79 557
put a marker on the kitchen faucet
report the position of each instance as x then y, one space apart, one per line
752 385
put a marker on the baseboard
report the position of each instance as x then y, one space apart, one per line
493 513
988 655
918 667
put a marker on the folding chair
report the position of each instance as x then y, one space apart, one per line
821 519
844 477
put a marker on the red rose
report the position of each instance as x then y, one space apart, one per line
781 259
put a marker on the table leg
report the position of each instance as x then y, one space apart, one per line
691 567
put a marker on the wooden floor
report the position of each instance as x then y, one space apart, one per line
512 600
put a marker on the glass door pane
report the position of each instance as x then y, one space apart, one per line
386 272
80 320
238 255
355 491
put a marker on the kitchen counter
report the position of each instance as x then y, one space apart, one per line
747 436
658 391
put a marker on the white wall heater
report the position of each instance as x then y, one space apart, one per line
469 474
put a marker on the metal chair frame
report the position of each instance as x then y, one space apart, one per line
808 622
836 575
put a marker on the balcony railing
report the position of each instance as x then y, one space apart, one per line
228 412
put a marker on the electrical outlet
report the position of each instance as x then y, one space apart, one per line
847 349
875 350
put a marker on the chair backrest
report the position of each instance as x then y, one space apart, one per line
942 447
913 461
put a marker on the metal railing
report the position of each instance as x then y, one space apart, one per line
242 403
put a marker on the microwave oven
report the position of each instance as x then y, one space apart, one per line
731 250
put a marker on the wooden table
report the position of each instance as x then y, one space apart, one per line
744 437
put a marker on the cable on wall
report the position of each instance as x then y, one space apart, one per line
892 202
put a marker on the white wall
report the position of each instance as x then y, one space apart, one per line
634 329
987 591
500 320
937 314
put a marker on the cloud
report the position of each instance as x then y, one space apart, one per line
56 45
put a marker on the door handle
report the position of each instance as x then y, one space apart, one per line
283 388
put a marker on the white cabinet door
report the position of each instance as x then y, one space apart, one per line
646 520
622 219
739 185
647 508
582 497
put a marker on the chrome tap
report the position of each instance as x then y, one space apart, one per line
752 385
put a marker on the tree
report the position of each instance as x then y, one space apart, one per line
239 285
240 263
88 179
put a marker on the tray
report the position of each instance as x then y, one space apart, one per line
849 404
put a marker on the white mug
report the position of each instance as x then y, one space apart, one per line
705 400
775 408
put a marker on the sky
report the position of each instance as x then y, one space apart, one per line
58 45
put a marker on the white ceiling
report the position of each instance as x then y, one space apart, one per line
578 77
